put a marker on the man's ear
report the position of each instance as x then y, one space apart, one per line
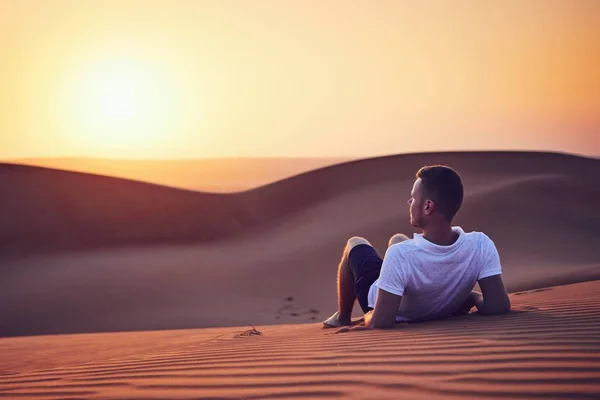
428 207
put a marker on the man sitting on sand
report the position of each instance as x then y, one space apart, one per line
428 277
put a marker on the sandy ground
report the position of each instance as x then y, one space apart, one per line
548 347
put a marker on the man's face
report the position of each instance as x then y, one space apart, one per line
416 204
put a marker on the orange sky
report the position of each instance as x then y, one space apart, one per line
183 79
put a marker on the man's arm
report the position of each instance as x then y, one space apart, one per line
494 298
384 314
468 304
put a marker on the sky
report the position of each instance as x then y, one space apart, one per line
194 79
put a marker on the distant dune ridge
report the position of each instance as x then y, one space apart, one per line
210 174
153 257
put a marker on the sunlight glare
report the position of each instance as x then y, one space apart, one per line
121 106
119 101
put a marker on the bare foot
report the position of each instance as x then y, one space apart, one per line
334 322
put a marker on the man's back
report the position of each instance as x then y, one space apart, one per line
433 280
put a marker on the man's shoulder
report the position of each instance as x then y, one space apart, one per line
480 240
477 236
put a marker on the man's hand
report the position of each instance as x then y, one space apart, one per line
367 318
469 303
360 327
477 300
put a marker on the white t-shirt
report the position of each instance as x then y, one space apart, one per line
435 280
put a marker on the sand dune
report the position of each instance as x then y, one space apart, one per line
548 347
49 210
207 260
212 174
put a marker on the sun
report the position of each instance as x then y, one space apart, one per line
120 106
119 100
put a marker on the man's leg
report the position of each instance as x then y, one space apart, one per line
345 286
345 283
397 238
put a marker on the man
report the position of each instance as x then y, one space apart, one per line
430 276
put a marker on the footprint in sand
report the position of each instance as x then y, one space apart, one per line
293 310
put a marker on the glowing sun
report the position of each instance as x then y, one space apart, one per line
120 106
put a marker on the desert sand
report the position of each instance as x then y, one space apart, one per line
148 265
548 347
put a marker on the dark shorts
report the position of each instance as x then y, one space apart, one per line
365 265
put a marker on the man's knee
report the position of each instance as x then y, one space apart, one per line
355 241
397 238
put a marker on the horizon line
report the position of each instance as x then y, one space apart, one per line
291 157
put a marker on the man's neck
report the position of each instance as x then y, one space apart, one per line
442 235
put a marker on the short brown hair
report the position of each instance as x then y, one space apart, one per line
444 186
